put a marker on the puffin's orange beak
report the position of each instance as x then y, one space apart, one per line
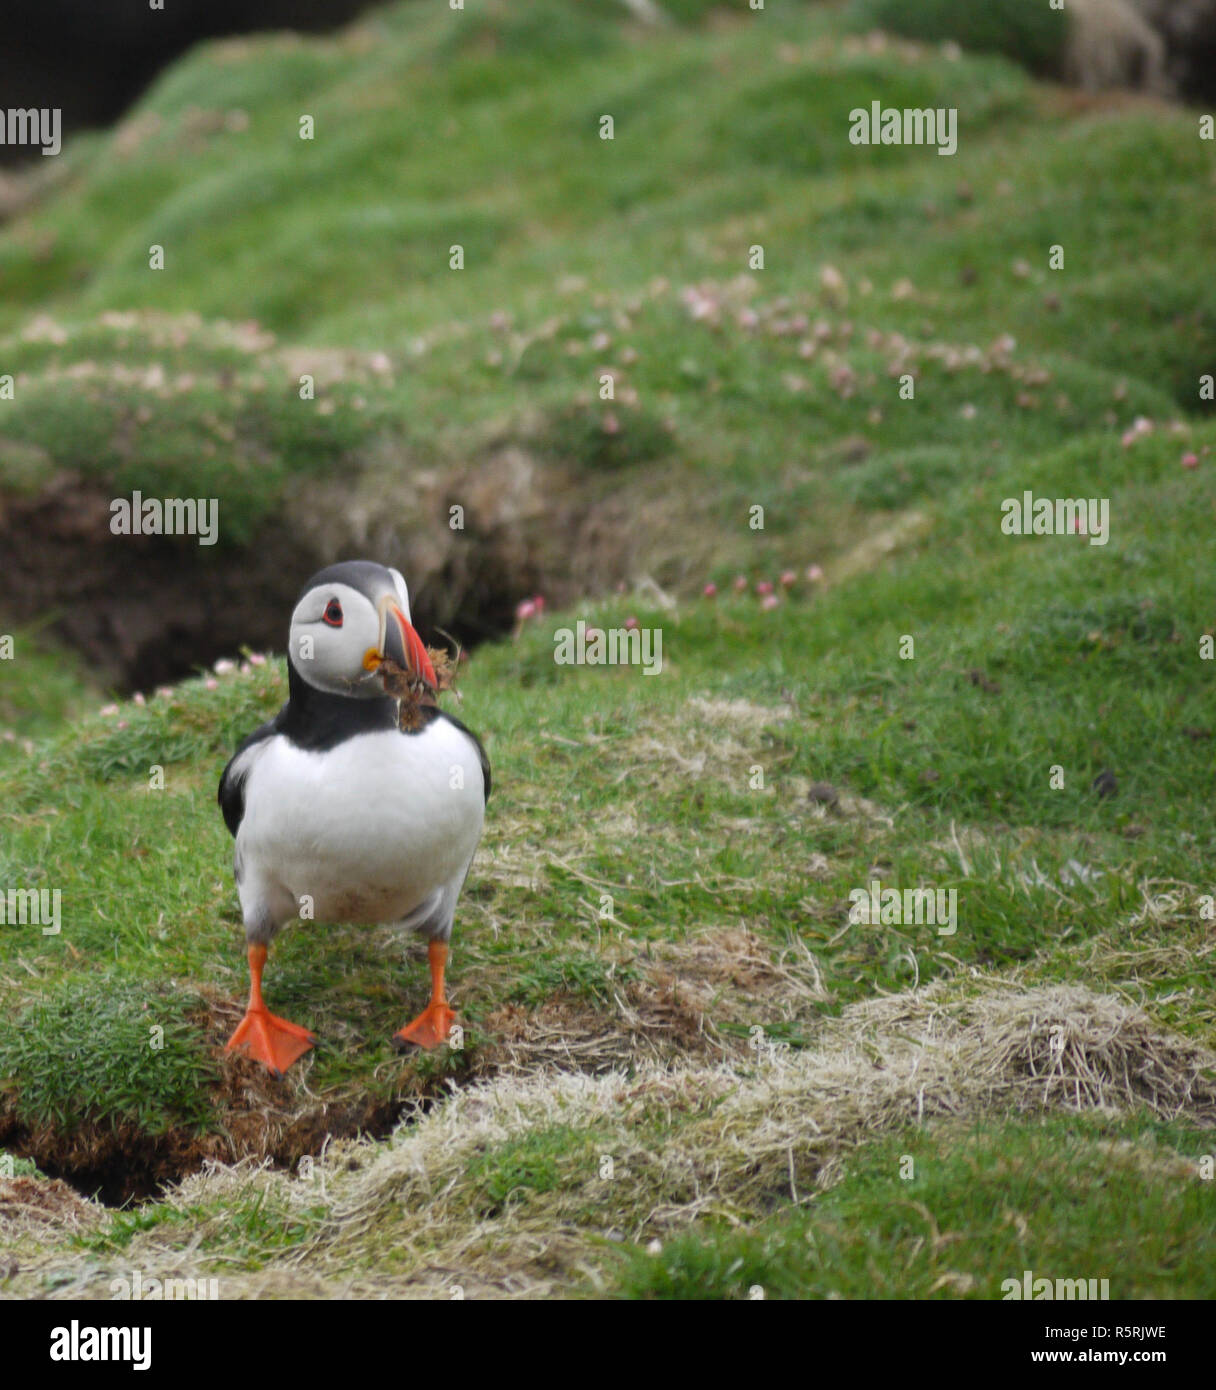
400 643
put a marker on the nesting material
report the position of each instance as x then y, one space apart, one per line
414 694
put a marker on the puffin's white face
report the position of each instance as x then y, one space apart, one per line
340 633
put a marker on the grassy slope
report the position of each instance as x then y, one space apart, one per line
723 140
610 781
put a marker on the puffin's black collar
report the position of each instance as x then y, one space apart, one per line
315 720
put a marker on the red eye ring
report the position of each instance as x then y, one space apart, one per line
333 613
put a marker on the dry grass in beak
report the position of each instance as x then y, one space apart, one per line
414 693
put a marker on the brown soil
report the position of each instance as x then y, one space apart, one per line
147 610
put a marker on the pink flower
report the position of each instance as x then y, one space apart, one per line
245 668
539 601
764 586
710 591
611 424
1190 460
843 379
122 724
211 684
700 306
224 667
108 711
1140 427
139 698
164 692
831 279
524 610
769 602
256 659
814 573
631 624
788 579
740 583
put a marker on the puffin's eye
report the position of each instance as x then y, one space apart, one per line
333 613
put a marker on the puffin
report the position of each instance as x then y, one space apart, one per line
341 813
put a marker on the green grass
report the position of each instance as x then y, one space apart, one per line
1032 34
343 242
532 1164
586 977
954 1214
42 687
918 737
109 1046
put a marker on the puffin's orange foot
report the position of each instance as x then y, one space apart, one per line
429 1029
272 1041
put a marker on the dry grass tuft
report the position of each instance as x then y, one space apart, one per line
729 1135
35 1206
669 1012
1059 1046
740 712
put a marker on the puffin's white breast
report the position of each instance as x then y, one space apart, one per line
368 829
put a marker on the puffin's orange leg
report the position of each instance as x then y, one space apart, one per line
272 1041
434 1023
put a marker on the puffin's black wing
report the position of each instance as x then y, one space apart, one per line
481 752
232 783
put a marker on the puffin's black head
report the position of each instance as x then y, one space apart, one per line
349 619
